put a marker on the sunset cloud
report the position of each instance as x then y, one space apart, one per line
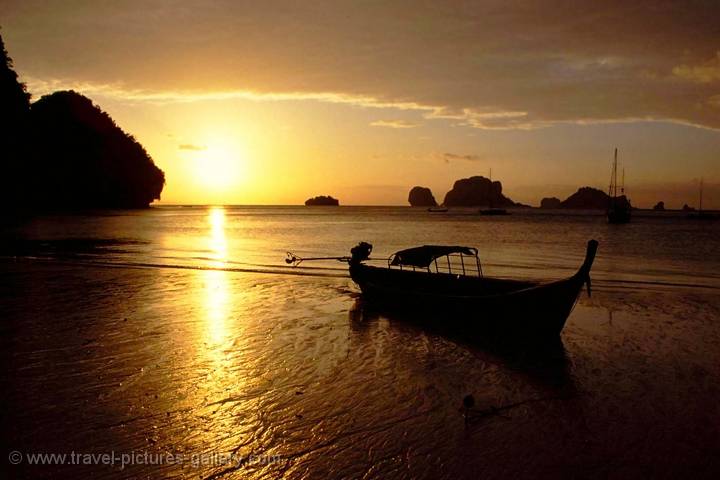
394 124
707 72
453 156
426 92
189 146
493 65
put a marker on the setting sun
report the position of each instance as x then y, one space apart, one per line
219 164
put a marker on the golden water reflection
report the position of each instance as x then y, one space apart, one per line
217 290
217 243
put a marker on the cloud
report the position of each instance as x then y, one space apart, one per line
447 157
189 146
707 72
394 124
119 91
388 187
490 65
485 118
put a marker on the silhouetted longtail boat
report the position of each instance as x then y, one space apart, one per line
446 283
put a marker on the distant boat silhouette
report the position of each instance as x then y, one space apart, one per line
492 211
700 215
618 206
437 209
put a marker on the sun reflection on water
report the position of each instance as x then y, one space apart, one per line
217 291
217 243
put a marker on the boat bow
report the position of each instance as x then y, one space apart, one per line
584 272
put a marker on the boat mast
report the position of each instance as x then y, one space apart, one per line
615 175
613 178
622 187
701 189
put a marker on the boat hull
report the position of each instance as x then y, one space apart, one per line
619 215
494 212
472 304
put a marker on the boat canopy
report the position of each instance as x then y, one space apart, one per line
425 255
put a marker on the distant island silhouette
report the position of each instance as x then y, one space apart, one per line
478 191
64 153
550 202
421 197
586 198
322 200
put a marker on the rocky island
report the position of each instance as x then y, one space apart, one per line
477 191
421 197
64 153
322 200
586 198
550 202
86 160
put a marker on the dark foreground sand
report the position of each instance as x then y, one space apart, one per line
212 374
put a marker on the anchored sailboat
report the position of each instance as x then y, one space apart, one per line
618 206
700 215
491 210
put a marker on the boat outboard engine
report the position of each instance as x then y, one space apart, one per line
360 252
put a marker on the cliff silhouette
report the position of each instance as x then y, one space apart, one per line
477 191
421 197
14 118
87 160
64 153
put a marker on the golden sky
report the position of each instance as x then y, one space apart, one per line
274 102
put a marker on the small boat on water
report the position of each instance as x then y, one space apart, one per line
494 211
437 209
491 211
700 214
447 285
703 216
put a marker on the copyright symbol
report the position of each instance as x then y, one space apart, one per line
15 457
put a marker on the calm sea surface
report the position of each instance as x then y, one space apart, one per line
179 338
654 248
